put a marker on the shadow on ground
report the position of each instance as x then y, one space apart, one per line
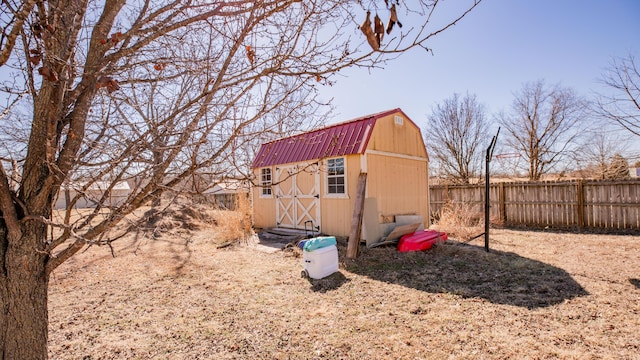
329 283
468 271
635 282
278 241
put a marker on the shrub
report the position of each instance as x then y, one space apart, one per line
460 220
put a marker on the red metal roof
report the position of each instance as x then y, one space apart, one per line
350 137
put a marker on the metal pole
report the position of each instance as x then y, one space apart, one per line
486 199
486 190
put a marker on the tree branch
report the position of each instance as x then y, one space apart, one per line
7 206
16 29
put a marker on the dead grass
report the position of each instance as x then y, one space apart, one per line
460 221
463 221
234 225
536 295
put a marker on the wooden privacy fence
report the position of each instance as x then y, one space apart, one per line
611 205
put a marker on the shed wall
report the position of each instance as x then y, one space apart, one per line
264 208
401 139
400 186
337 212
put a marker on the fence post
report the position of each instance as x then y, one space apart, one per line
446 193
580 201
502 212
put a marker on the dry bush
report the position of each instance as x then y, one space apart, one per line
497 222
460 221
234 225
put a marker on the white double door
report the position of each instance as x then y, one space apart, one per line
297 190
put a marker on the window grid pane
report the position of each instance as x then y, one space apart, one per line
335 176
266 181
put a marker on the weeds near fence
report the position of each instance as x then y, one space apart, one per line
460 221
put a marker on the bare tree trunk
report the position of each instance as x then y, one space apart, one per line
23 286
3 288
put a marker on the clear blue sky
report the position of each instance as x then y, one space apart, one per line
500 45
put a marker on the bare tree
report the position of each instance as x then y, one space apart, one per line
544 126
595 156
117 90
623 106
455 133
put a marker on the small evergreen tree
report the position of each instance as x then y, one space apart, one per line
618 168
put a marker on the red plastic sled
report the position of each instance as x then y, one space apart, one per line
420 240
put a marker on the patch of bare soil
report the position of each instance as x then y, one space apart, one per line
536 295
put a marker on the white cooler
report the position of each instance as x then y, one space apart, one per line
320 263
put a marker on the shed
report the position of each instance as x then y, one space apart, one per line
225 194
310 179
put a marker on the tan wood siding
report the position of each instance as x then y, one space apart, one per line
400 186
264 208
401 139
337 211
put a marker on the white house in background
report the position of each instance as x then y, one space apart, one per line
90 197
634 173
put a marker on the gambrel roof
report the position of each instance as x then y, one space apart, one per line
346 138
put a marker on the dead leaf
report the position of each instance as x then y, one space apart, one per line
116 37
378 27
251 55
108 82
35 57
393 19
48 73
368 32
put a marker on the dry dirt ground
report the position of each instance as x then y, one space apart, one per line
536 295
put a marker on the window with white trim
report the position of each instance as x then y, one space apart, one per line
335 176
266 181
